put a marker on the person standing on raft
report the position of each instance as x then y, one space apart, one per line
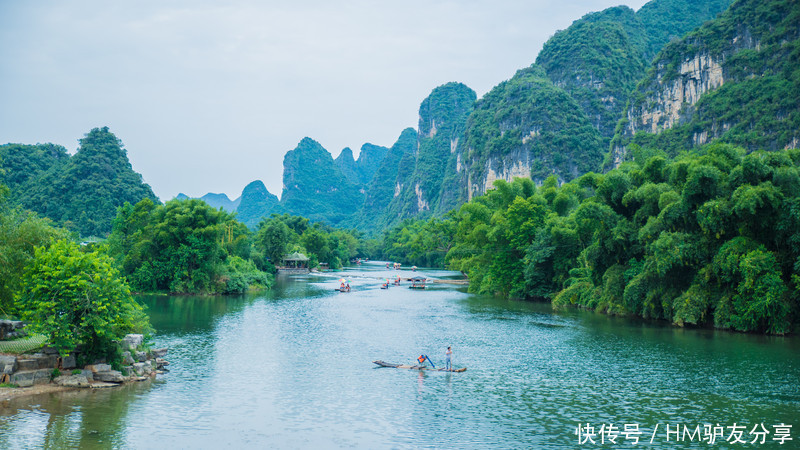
447 354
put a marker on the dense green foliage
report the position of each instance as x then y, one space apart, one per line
598 62
529 115
284 234
758 45
710 238
600 58
667 20
184 246
21 164
20 233
77 297
82 192
422 243
70 294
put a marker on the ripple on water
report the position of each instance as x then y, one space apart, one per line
292 369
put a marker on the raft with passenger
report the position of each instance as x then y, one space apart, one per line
417 367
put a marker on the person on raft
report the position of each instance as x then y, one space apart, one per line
447 354
347 288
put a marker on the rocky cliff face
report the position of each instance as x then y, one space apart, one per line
723 81
442 122
527 127
670 96
598 60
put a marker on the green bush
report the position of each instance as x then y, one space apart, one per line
79 298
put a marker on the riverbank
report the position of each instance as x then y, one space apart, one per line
12 393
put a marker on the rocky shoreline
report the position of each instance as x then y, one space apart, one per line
48 368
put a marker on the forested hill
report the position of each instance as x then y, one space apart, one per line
79 192
361 171
735 79
556 117
215 201
315 187
593 90
256 202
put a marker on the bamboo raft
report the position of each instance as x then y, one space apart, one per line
415 367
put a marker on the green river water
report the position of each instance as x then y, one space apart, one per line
292 368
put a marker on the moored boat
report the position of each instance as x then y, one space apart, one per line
418 283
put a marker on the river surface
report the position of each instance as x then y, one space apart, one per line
292 368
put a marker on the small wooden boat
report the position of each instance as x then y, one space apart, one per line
418 283
416 367
342 290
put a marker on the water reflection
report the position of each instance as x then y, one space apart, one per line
292 368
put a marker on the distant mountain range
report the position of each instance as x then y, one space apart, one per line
672 76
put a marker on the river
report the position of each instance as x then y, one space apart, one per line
292 368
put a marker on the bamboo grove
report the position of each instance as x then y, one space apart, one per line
710 238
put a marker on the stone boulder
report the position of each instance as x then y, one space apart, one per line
127 359
27 364
109 376
161 364
47 350
37 361
8 364
25 378
11 328
159 352
132 341
99 367
69 362
77 380
138 368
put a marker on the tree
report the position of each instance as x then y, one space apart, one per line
273 237
79 298
20 233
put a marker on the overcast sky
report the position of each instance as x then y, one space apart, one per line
208 96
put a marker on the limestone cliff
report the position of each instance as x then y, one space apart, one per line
386 184
526 127
442 122
730 80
